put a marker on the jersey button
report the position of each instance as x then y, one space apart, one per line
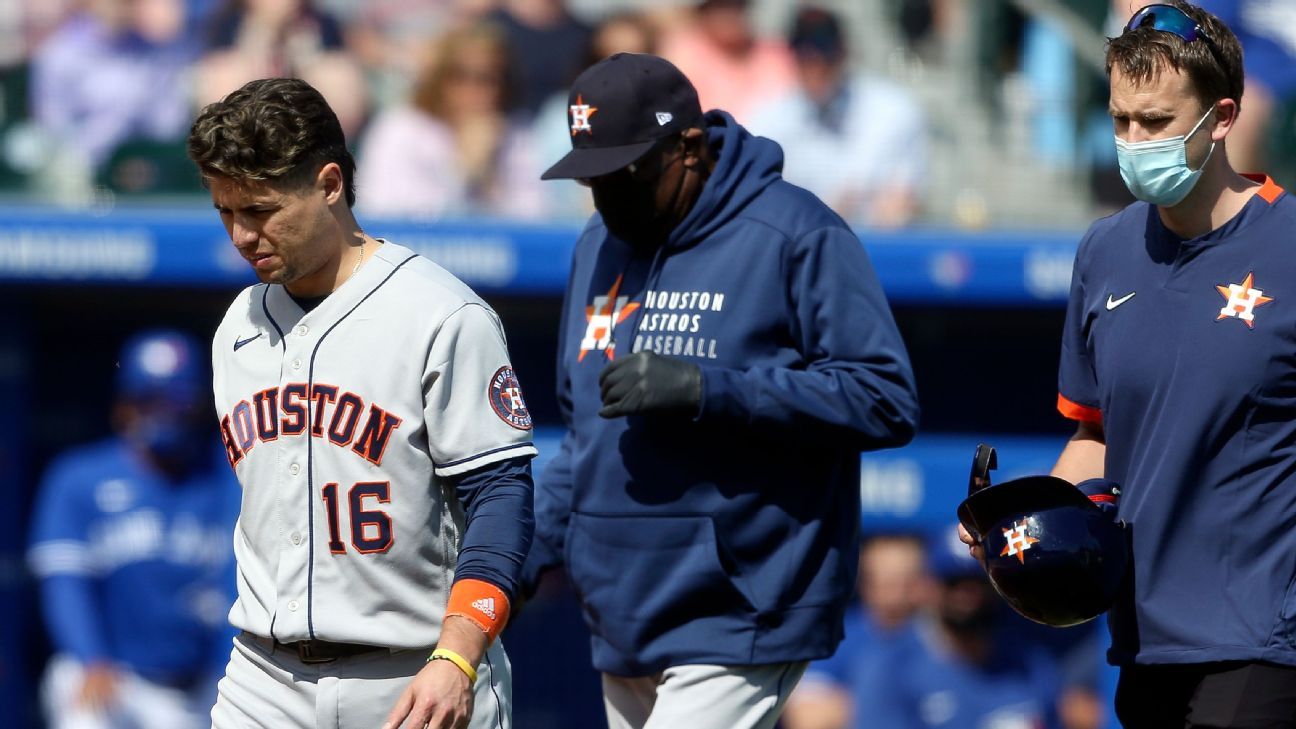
296 538
294 469
302 330
296 364
292 605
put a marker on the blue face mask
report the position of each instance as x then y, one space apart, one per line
1156 171
169 431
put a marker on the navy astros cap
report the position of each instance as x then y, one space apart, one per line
619 108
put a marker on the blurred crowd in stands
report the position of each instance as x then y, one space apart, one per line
454 106
929 644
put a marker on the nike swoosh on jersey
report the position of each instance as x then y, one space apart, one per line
1112 302
239 344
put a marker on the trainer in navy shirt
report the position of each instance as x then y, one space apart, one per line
1184 350
1179 364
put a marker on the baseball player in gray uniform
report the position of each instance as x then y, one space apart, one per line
367 405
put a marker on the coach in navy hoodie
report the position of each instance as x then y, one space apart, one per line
725 354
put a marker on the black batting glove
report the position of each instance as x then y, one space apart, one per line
645 382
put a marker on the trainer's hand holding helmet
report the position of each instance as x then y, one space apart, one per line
1054 551
649 383
974 547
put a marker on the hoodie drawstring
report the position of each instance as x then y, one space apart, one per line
654 275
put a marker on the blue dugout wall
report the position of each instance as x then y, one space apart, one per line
980 312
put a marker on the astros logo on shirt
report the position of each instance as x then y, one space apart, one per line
1243 300
603 316
580 116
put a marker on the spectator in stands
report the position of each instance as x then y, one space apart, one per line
891 577
626 32
25 24
548 47
253 39
619 33
729 65
1267 31
113 72
857 141
455 149
390 37
954 666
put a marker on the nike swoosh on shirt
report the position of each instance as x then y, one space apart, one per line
1112 303
239 344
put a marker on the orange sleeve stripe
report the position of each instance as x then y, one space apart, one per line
1076 411
1269 190
482 603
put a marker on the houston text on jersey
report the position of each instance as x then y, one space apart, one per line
332 412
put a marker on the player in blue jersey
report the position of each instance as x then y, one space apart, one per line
958 664
1179 365
892 576
132 544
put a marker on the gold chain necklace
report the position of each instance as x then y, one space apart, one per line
360 259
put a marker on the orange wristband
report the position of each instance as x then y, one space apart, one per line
481 602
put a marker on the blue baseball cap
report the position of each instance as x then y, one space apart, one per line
948 558
161 363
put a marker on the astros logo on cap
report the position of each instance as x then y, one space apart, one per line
580 115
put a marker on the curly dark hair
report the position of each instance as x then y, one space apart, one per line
279 130
1213 64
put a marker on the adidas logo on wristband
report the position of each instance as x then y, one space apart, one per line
486 605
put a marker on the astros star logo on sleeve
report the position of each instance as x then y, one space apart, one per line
506 399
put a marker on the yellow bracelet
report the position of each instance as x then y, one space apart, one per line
445 654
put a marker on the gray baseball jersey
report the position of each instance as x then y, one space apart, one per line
342 425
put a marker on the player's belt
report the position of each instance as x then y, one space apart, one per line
316 651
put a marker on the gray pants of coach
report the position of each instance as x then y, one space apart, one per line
701 697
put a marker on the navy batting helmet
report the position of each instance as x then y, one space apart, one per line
1053 553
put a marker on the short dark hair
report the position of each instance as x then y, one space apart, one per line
1140 53
279 130
817 32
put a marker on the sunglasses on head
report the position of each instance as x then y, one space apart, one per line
1169 19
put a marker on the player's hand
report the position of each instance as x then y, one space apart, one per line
98 687
974 547
647 382
439 697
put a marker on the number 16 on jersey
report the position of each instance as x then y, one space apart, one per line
371 529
